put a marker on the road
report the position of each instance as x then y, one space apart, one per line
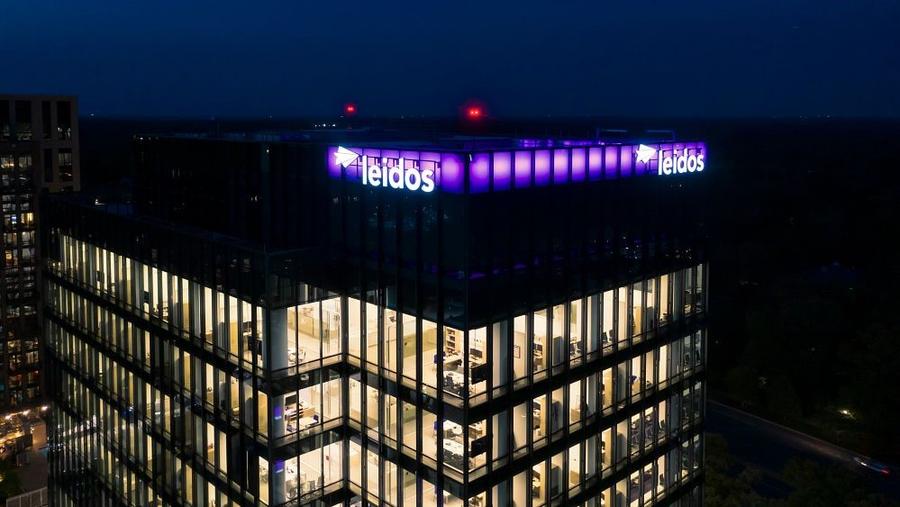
768 446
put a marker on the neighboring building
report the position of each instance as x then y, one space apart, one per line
38 151
281 321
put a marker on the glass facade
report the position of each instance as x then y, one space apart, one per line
401 356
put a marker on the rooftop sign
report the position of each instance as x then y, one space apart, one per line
492 171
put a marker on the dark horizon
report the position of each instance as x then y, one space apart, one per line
704 59
491 119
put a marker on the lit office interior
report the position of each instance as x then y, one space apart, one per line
631 391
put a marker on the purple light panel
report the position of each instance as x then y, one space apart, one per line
502 170
541 168
523 169
536 166
560 166
578 166
480 173
611 162
626 159
595 163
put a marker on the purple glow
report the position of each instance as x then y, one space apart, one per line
523 169
538 166
480 173
451 177
334 168
641 167
578 164
541 167
595 163
502 170
560 166
626 158
611 163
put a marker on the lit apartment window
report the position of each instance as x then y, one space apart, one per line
65 164
64 120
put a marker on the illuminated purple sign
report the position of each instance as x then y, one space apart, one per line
501 170
414 171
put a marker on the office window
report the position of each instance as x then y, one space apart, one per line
372 414
539 347
606 326
408 347
556 475
46 128
331 326
389 340
429 355
665 309
409 487
574 415
303 330
429 431
64 157
5 122
560 346
520 426
7 168
478 367
453 446
539 409
576 345
389 420
625 321
408 427
355 394
539 483
520 346
574 475
372 348
454 369
23 120
64 120
557 413
478 443
354 326
25 163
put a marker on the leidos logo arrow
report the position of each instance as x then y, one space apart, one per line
675 161
391 173
645 153
344 157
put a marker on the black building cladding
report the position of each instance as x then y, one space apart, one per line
259 327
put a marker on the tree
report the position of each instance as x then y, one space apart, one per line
783 400
727 484
10 484
834 485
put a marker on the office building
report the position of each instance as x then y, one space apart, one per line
38 152
351 320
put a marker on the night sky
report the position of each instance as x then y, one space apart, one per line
523 58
